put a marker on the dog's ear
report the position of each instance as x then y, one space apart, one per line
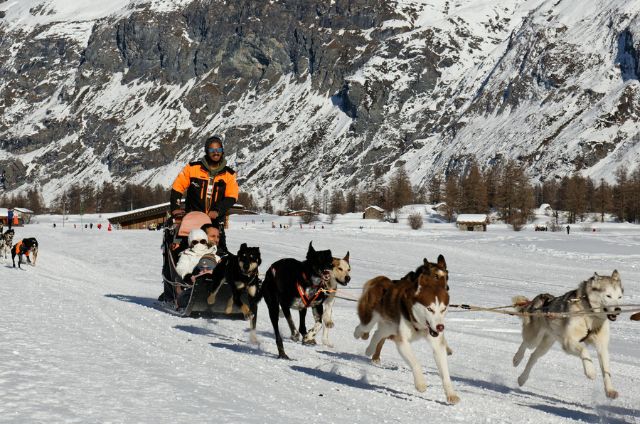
346 257
615 275
426 266
311 249
442 264
243 246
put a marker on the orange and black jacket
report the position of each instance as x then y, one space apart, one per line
205 192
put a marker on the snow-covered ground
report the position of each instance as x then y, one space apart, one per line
81 340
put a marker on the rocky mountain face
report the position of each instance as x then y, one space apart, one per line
315 94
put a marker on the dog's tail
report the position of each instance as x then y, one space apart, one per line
372 293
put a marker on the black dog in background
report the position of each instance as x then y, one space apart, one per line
23 248
290 283
240 272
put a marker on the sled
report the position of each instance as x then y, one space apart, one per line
197 305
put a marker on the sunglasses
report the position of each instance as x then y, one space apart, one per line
215 149
193 243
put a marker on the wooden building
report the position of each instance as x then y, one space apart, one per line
472 222
154 217
373 212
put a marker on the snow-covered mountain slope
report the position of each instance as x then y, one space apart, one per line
314 94
82 341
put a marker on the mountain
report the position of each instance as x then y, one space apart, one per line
315 94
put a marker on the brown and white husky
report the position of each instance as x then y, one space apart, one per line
407 310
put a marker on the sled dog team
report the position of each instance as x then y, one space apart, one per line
24 249
415 306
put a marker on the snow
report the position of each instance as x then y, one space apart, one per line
83 342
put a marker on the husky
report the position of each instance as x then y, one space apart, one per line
437 270
292 284
405 311
240 272
340 274
23 248
597 294
6 241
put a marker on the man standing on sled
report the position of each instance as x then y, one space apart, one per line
210 186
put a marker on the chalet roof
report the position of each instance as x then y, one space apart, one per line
150 211
24 210
479 218
378 208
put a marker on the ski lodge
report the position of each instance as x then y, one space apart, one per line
154 217
472 222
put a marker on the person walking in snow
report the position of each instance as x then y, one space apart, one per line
210 186
568 229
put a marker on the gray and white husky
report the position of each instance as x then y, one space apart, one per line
578 327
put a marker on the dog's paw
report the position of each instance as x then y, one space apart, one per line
589 370
612 394
253 339
453 398
211 299
309 342
327 343
329 324
375 360
517 358
295 337
357 333
522 379
245 310
421 386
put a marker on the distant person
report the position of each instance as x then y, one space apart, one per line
99 226
568 229
3 181
54 225
91 226
209 185
10 218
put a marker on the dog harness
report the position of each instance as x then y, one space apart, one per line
19 250
309 296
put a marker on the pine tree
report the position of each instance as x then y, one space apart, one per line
603 199
435 190
473 198
451 195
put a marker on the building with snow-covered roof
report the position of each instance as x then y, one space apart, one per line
154 217
373 212
472 222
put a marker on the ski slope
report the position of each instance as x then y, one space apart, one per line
81 340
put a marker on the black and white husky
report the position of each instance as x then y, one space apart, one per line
582 317
293 284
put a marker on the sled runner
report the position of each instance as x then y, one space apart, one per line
174 242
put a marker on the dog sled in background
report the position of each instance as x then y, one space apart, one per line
584 316
226 301
407 310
